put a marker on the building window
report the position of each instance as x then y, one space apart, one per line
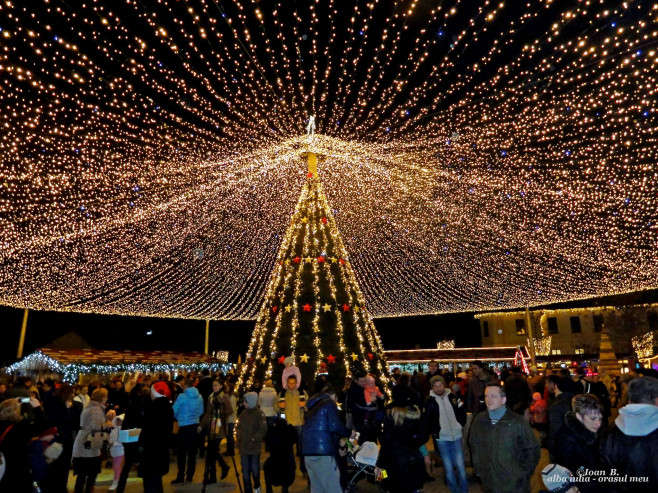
652 319
556 351
575 324
552 325
485 328
579 350
598 323
520 327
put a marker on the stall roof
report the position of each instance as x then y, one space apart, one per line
96 356
457 354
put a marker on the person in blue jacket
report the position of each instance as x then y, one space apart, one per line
188 410
321 434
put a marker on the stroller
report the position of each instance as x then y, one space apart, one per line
361 463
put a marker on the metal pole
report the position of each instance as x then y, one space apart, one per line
205 348
530 336
21 340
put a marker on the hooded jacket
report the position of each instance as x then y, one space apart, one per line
630 446
504 454
188 408
577 447
251 430
323 427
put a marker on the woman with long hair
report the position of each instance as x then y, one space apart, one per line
218 408
403 438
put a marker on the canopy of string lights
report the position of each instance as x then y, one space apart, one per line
477 154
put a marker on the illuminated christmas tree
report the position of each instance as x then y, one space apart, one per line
314 311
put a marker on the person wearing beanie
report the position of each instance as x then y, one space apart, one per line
155 438
503 446
290 370
445 415
188 410
251 430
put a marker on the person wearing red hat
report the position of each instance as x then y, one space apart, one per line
155 438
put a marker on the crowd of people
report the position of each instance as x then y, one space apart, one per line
497 422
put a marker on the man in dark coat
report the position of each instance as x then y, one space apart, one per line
321 434
155 438
560 406
504 448
630 446
117 397
476 385
517 389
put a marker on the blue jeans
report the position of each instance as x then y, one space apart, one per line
250 468
453 458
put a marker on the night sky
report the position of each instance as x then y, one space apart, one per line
117 332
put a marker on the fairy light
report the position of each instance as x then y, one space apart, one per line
643 345
479 155
71 371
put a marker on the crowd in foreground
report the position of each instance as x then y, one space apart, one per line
496 422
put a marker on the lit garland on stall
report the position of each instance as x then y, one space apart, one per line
447 344
71 371
643 345
479 155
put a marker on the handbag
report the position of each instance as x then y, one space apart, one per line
96 440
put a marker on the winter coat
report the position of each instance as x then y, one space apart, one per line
294 412
92 419
118 397
268 402
517 390
432 415
561 406
280 465
14 447
155 438
205 388
475 394
400 452
323 427
504 454
251 430
578 447
630 446
188 408
63 418
218 407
